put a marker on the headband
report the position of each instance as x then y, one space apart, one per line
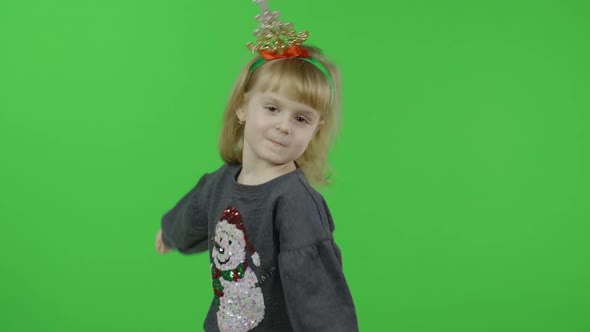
278 40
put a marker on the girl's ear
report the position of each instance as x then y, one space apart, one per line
240 113
321 124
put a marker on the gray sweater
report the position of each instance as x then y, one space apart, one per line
274 263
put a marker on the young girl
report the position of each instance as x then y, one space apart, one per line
274 263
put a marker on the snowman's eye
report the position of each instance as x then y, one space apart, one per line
230 242
219 248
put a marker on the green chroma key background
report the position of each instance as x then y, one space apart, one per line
461 197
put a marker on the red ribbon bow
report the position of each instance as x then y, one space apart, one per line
292 52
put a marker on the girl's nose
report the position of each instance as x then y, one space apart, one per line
284 124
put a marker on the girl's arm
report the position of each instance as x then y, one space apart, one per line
184 227
310 266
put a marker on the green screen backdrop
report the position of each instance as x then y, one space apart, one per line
461 197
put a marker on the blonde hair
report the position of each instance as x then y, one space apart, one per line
302 81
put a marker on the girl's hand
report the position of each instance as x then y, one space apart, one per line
161 248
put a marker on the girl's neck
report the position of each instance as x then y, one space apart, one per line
258 174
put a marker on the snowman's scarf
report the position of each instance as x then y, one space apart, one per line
229 275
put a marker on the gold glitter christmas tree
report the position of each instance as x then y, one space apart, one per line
273 34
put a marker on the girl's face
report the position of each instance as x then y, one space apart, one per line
277 129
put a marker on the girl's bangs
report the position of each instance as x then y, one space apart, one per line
295 79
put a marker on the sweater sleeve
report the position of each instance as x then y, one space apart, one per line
315 289
184 227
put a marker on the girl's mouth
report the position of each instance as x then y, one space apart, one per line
277 143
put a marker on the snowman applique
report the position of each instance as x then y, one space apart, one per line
238 297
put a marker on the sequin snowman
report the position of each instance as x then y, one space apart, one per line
238 297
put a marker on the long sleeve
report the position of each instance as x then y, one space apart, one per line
184 227
310 266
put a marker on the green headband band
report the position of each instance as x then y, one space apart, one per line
313 61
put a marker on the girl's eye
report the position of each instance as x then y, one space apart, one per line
301 119
271 108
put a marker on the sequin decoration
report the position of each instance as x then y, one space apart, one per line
266 276
238 297
273 34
